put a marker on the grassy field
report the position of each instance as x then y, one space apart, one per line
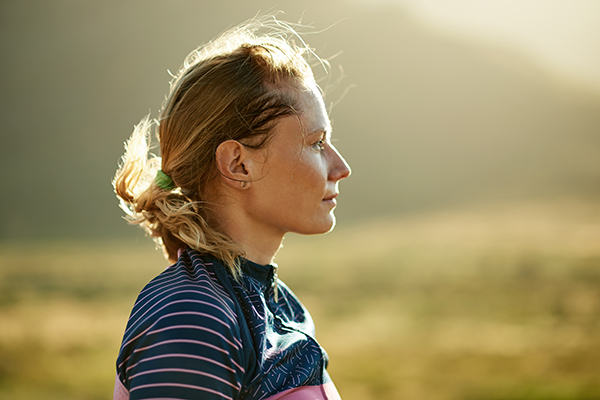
497 303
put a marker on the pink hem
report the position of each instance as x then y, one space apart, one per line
120 392
323 392
327 391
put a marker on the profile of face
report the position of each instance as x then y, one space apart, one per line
298 184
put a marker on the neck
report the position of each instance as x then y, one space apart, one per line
259 250
259 244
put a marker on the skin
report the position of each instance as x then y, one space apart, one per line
289 186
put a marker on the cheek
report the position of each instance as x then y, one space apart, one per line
314 175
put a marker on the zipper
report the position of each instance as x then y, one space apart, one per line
275 288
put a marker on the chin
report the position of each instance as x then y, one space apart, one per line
332 224
331 227
325 227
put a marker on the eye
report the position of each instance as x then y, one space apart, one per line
319 145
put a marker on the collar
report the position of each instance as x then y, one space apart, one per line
265 274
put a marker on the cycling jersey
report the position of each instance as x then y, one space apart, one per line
197 333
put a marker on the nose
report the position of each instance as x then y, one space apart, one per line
338 167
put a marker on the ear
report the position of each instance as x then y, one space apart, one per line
234 164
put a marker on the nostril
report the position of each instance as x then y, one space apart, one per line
342 171
339 167
346 170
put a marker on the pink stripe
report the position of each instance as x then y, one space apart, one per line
200 328
181 355
220 300
155 292
164 281
215 283
169 274
211 295
183 386
176 341
174 274
238 366
180 341
164 287
188 371
183 341
172 314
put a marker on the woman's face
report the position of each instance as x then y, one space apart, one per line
298 185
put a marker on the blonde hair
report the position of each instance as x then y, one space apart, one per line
235 87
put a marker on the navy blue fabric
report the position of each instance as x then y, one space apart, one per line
195 332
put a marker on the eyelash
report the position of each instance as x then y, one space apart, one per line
319 146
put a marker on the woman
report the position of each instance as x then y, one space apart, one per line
246 157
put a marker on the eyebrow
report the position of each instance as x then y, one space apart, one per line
320 132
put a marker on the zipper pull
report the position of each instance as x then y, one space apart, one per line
275 291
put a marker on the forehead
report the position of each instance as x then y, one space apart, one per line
312 109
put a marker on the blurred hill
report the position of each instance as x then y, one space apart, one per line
430 121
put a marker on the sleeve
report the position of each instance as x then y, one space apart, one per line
188 348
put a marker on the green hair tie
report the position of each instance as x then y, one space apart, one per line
164 181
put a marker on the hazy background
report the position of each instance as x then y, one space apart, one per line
473 131
433 118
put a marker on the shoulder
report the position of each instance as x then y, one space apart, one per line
185 289
183 325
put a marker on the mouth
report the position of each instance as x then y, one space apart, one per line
331 199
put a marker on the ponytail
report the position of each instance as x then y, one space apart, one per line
234 88
168 216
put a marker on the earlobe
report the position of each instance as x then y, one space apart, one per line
232 158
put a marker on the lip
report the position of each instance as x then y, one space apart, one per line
332 197
331 200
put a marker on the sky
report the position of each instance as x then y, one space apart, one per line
562 34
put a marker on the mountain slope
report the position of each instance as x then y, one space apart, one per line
430 121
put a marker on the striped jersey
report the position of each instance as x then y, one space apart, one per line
197 333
